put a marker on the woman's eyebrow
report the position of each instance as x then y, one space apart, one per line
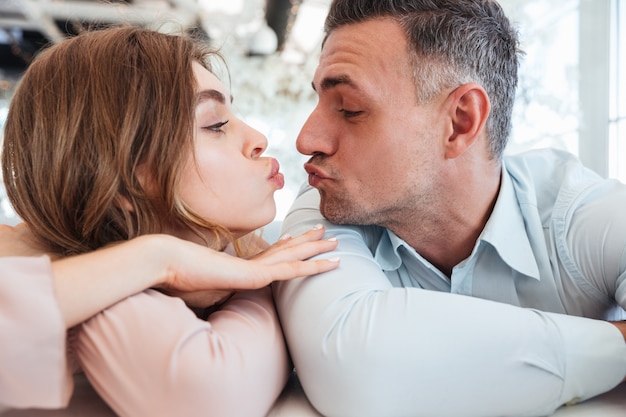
211 94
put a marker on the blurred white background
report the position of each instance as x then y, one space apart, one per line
572 92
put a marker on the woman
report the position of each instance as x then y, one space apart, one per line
124 132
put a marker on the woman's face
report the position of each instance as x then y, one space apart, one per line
226 180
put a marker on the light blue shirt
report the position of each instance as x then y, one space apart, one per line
387 334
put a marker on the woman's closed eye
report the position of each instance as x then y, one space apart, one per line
217 127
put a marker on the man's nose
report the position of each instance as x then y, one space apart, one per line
316 135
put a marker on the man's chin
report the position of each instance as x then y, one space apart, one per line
337 213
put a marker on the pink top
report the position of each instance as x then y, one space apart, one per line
149 355
34 371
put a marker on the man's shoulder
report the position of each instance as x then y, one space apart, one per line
547 169
549 181
542 162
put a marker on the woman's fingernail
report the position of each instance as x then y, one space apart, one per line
317 226
285 236
332 239
334 259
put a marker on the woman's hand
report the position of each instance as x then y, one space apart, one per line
196 268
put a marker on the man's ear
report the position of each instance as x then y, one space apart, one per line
469 108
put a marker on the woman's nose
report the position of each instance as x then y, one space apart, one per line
255 142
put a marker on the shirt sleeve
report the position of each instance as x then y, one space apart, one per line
149 355
594 247
363 348
34 369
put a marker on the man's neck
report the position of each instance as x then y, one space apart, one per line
446 233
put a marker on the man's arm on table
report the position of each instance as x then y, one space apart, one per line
362 348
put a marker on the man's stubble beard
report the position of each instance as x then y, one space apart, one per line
344 210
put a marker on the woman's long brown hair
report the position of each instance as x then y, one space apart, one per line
91 113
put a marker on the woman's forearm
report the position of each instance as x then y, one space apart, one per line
150 346
88 283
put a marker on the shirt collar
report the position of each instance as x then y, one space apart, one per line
386 254
505 231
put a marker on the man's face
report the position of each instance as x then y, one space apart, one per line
373 148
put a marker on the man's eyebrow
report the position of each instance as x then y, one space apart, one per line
330 82
211 94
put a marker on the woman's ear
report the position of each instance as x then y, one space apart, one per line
469 108
142 176
123 203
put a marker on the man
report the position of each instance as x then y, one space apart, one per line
470 284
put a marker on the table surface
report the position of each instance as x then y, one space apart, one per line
293 403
